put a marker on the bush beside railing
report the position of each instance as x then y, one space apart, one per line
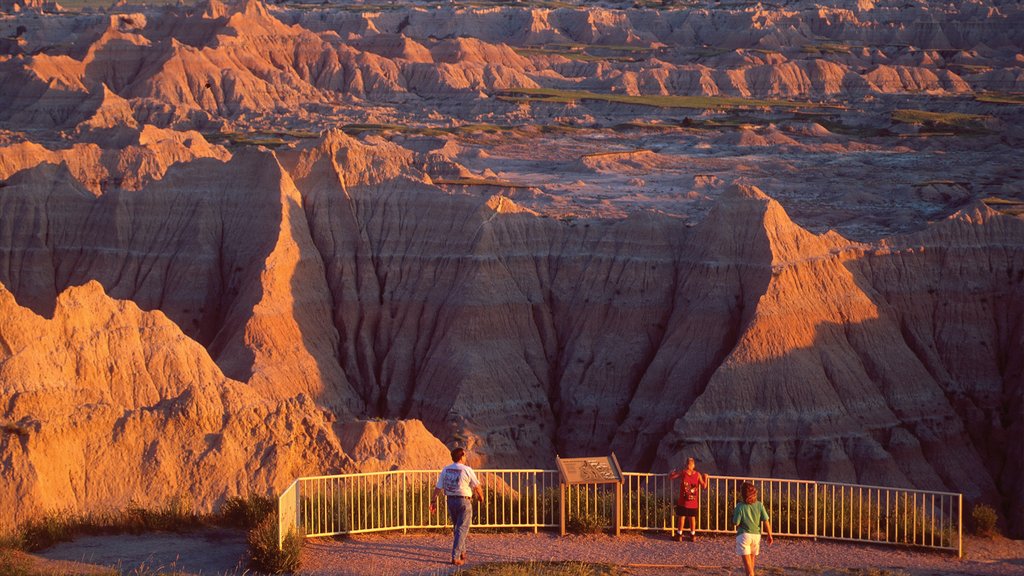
399 500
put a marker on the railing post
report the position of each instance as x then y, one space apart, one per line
536 511
405 502
960 526
288 512
618 507
561 508
814 508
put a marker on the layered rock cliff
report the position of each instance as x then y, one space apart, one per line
186 311
339 282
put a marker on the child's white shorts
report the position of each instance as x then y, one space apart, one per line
747 544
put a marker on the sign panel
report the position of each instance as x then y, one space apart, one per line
590 470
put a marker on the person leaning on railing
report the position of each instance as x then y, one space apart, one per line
689 496
459 483
748 517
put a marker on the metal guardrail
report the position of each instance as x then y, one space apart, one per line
800 508
529 498
400 499
287 513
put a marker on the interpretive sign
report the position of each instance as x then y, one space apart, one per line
590 470
586 474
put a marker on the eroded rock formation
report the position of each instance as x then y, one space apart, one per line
186 311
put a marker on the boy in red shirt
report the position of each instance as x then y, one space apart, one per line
689 496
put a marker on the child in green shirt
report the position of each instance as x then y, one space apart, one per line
747 517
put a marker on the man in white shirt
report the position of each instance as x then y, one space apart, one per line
458 482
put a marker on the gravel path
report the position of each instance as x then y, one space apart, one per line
214 552
650 555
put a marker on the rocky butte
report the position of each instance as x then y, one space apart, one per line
242 243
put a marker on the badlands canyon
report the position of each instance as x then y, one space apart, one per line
243 242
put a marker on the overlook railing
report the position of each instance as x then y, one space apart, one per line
529 499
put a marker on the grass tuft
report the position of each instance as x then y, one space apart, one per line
41 532
585 523
264 555
985 519
176 515
246 511
542 569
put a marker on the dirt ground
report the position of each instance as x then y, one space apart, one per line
206 552
222 552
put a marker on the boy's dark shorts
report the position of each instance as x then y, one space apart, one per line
686 512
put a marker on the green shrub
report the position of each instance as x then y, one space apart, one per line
264 555
585 523
246 512
985 519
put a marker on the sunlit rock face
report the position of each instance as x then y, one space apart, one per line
239 244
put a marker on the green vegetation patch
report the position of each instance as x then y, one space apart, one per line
477 182
969 68
994 98
268 138
943 121
471 128
1010 208
77 5
615 153
941 183
550 4
542 569
355 129
587 52
640 125
557 96
825 48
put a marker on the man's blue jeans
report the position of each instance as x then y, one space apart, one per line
460 510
